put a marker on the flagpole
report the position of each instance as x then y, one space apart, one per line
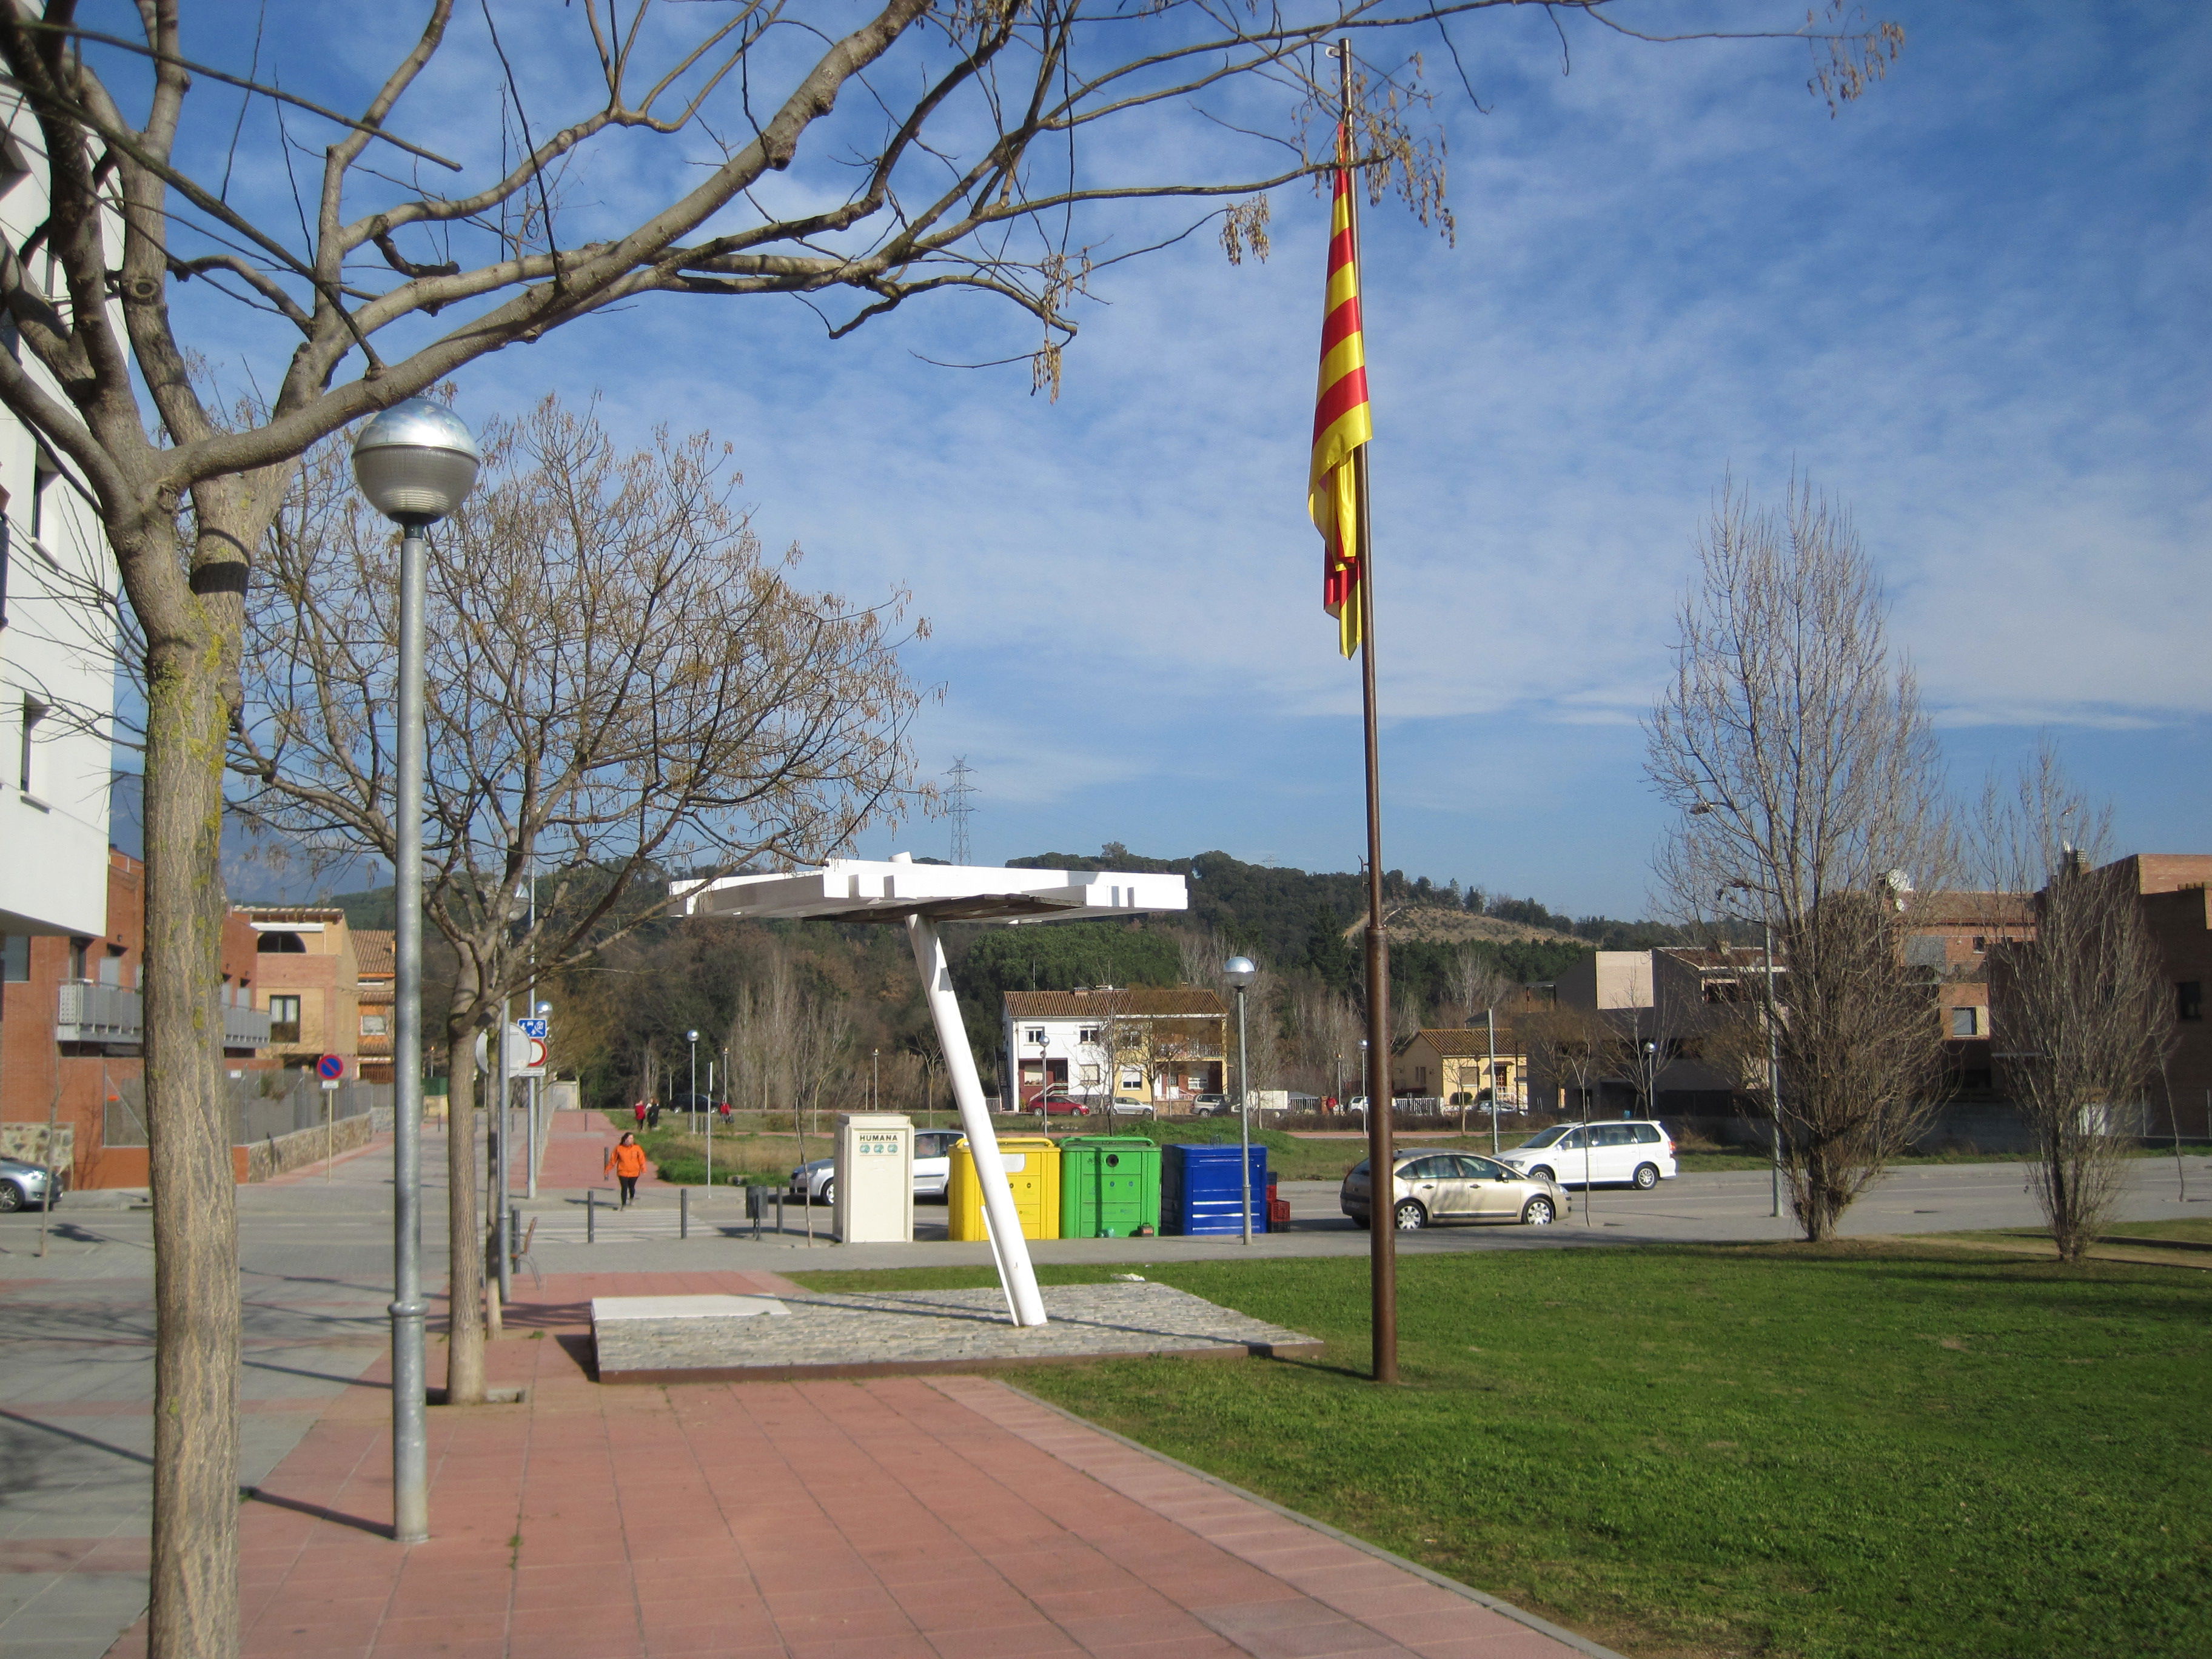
1381 1187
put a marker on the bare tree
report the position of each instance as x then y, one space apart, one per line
962 130
1566 1049
1324 1035
618 683
1808 777
2079 1018
1478 985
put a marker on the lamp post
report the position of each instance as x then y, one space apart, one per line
875 1080
1240 972
415 463
1773 1040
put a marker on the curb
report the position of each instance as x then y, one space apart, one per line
1581 1645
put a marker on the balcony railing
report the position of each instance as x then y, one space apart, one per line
88 1012
246 1028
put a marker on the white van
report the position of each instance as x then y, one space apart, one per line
1637 1152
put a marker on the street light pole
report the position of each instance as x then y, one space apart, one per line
1240 972
415 463
691 1106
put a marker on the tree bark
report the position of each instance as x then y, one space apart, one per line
464 1342
195 1300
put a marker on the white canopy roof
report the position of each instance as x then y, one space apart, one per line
867 890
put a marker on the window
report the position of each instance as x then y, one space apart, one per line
376 1024
27 759
78 947
1036 1034
2189 999
15 958
1981 943
1964 1023
1088 1034
288 944
1089 1075
42 475
283 1019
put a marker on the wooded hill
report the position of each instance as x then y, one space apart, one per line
766 997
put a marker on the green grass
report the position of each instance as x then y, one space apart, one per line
1849 1452
2193 1230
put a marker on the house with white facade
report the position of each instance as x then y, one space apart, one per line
1157 1047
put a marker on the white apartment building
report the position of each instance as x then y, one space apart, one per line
1161 1047
57 584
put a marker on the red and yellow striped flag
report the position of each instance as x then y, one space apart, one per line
1342 424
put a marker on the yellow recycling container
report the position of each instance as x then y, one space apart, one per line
1032 1170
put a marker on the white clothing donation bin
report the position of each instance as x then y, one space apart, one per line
875 1178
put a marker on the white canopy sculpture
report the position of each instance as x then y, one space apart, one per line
921 896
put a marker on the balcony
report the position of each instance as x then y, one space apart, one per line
88 1012
247 1028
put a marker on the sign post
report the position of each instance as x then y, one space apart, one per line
331 1069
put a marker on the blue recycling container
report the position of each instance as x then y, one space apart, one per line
1201 1193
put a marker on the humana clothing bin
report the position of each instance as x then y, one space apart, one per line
1201 1193
875 1178
1032 1164
1109 1186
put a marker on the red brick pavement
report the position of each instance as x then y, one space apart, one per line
896 1518
576 1151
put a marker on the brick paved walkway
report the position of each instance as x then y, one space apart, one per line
576 1151
894 1518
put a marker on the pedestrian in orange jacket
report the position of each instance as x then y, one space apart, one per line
626 1158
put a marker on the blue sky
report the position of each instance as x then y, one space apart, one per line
1973 307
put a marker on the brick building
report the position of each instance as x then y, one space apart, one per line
72 1029
379 978
308 976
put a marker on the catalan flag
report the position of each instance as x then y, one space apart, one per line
1341 425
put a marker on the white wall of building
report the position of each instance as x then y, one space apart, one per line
56 665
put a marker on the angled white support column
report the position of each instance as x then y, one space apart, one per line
1008 1244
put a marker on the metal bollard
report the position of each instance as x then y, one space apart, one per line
683 1213
779 1212
515 1244
591 1215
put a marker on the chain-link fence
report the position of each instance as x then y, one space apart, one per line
262 1105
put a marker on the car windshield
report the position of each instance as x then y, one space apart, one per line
1550 1137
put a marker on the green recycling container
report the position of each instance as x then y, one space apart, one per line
1109 1186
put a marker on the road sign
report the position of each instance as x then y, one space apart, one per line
526 1049
330 1083
539 1029
331 1067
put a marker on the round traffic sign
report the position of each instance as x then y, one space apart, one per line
331 1067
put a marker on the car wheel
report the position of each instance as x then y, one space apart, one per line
1412 1218
1537 1212
11 1197
829 1190
1543 1172
1647 1176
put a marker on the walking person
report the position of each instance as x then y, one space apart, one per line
626 1158
640 1109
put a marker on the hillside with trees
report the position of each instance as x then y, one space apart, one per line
793 1015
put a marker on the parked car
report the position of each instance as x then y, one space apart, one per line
25 1184
1209 1106
1057 1102
1636 1152
1433 1188
816 1181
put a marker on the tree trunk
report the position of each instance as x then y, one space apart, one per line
464 1347
196 1296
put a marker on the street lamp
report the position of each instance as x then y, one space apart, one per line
875 1080
1240 972
1769 1012
415 463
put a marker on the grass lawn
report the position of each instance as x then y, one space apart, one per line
1854 1452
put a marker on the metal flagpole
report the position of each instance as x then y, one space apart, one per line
1382 1209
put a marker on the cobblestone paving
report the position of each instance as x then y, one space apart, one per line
850 1333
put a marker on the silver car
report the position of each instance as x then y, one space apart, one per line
22 1185
1434 1188
817 1183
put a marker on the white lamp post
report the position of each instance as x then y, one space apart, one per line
544 1011
1240 972
415 463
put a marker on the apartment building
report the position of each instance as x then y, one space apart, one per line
307 978
1163 1046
